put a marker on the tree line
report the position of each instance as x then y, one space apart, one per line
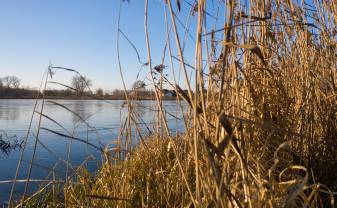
79 88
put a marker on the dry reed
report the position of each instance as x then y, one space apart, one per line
261 126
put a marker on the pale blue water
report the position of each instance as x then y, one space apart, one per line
105 116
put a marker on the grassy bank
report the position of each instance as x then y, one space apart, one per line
260 130
157 172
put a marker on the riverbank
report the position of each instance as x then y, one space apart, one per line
21 93
84 98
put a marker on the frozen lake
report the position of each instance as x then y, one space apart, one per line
105 116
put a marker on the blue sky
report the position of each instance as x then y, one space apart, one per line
79 34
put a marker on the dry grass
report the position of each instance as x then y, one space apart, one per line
262 119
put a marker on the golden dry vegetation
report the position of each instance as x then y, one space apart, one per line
261 126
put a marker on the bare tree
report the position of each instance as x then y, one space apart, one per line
81 83
138 85
15 82
5 81
99 92
1 84
118 93
11 82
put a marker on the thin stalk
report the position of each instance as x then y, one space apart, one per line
36 139
25 143
150 67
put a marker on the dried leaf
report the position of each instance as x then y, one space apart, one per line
254 49
296 188
226 124
72 137
185 96
247 46
257 51
223 144
211 146
178 5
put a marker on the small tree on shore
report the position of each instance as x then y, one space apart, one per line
99 92
118 93
80 84
139 85
11 82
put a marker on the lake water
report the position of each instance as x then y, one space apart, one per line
105 116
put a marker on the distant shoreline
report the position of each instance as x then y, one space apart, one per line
81 98
21 93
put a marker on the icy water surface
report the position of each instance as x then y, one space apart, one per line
104 116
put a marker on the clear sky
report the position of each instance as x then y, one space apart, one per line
79 34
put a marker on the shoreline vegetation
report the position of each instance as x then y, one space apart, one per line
260 128
22 93
85 98
79 89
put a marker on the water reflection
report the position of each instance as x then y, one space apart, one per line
105 116
82 110
8 111
99 105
